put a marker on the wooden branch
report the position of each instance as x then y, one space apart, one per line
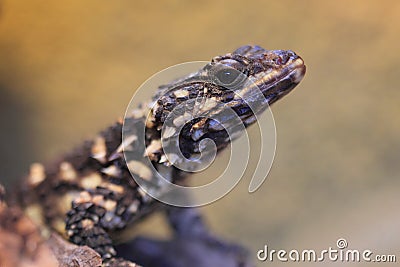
22 245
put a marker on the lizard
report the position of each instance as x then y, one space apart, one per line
89 195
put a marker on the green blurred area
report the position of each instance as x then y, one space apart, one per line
68 69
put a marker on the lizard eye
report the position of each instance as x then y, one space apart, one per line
227 76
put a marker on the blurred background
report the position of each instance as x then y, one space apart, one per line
68 69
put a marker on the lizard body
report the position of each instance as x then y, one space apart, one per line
96 178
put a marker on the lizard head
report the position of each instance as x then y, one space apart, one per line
244 82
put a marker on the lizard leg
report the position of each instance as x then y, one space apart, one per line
192 245
92 216
190 228
186 222
84 228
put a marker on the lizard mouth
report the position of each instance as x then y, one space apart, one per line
284 81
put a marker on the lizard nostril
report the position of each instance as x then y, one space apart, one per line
283 56
281 59
292 55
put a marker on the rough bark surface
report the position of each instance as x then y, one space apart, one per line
22 244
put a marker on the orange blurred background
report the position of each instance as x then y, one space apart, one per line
68 69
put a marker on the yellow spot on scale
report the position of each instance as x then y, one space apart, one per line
113 187
64 203
99 149
112 171
67 172
91 181
36 174
140 169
